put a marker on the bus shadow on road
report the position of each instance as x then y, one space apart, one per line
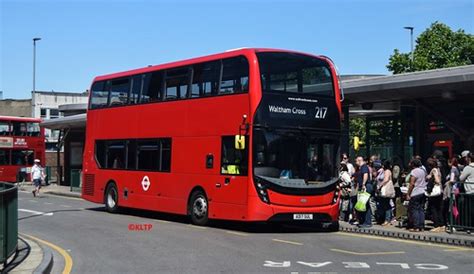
247 227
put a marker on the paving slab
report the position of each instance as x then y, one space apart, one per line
458 238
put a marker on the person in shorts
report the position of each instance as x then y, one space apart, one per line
37 175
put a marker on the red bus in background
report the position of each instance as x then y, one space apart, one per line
21 141
248 134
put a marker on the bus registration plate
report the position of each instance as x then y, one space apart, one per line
302 216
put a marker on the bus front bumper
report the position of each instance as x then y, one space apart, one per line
260 211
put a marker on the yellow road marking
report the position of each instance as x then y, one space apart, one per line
454 249
367 253
395 240
198 227
67 258
286 242
236 233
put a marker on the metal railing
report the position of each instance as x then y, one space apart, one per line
8 221
461 209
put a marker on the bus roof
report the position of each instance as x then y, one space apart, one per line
19 119
226 54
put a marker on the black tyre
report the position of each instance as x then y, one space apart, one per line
111 198
199 208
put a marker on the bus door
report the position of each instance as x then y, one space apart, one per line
231 186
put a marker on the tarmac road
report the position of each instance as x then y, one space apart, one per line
147 242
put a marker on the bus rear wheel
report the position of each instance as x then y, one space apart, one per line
111 198
199 208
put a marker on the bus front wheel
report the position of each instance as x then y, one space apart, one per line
199 208
111 198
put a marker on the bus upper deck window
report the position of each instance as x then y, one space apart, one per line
99 96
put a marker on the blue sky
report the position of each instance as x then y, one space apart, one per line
82 39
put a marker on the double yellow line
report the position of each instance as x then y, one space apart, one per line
67 258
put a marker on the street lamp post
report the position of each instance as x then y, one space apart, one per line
34 62
411 43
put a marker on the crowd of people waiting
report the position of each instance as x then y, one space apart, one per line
424 187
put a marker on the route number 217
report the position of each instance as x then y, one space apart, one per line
321 112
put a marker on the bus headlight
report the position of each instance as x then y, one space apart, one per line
336 195
262 192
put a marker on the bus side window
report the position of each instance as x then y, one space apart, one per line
99 95
177 81
233 161
135 89
205 79
131 154
115 155
119 90
152 87
22 157
5 128
33 129
100 153
19 129
4 157
235 75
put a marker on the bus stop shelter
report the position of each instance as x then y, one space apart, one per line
72 137
413 113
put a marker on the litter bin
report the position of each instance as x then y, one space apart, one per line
76 180
48 175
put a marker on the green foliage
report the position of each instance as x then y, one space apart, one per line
356 128
437 47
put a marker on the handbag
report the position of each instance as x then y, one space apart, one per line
362 199
388 191
436 191
430 186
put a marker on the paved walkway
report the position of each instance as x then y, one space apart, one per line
29 256
51 189
457 238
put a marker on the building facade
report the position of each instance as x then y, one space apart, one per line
15 107
45 105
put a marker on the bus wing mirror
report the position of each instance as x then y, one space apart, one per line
239 143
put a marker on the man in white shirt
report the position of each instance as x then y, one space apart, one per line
37 175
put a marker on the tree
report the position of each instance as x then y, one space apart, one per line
437 47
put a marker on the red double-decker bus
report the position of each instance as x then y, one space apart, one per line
21 141
248 134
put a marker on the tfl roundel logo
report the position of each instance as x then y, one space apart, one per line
146 183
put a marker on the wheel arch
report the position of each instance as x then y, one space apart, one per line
194 189
110 182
